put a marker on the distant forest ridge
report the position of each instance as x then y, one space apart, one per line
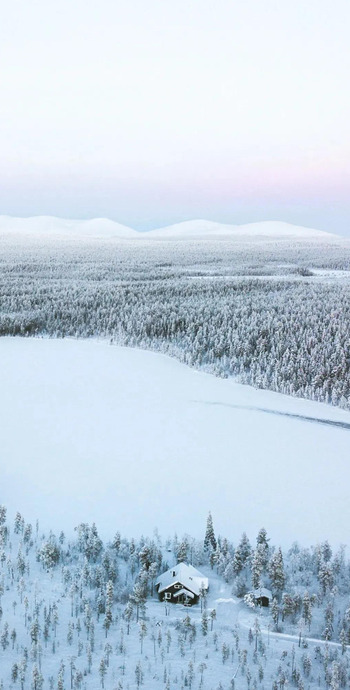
274 315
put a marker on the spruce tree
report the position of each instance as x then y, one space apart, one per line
37 678
182 551
3 512
276 572
102 671
209 539
257 566
307 610
262 543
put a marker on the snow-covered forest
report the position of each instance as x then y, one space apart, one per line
272 314
84 614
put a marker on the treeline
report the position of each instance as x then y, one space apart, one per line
281 327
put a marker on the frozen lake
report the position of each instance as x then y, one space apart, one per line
134 440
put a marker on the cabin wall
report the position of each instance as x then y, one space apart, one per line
173 590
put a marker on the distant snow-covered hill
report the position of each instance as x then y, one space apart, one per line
49 226
104 228
207 228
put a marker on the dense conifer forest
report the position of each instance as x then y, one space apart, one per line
272 314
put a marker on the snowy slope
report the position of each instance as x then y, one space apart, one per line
206 228
49 226
134 440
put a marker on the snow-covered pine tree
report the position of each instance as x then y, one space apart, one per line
307 609
182 550
276 572
257 566
37 678
3 512
209 539
262 543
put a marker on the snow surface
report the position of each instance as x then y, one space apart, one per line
135 440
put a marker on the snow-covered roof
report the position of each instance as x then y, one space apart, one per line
184 591
185 575
262 592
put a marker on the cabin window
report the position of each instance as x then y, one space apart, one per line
177 586
167 595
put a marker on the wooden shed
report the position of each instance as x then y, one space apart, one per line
262 596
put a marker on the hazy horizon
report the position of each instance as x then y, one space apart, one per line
142 229
154 113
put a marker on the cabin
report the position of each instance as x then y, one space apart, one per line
181 584
262 596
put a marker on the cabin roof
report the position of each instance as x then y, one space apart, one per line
262 592
185 575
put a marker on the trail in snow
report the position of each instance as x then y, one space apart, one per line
303 418
281 636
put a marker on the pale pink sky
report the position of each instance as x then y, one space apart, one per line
154 112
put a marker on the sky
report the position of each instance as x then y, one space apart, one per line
151 112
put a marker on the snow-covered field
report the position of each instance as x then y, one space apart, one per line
134 440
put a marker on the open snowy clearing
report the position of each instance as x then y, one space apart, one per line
135 440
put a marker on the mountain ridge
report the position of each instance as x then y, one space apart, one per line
261 228
54 226
105 228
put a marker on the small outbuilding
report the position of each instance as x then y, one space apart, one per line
181 584
262 596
